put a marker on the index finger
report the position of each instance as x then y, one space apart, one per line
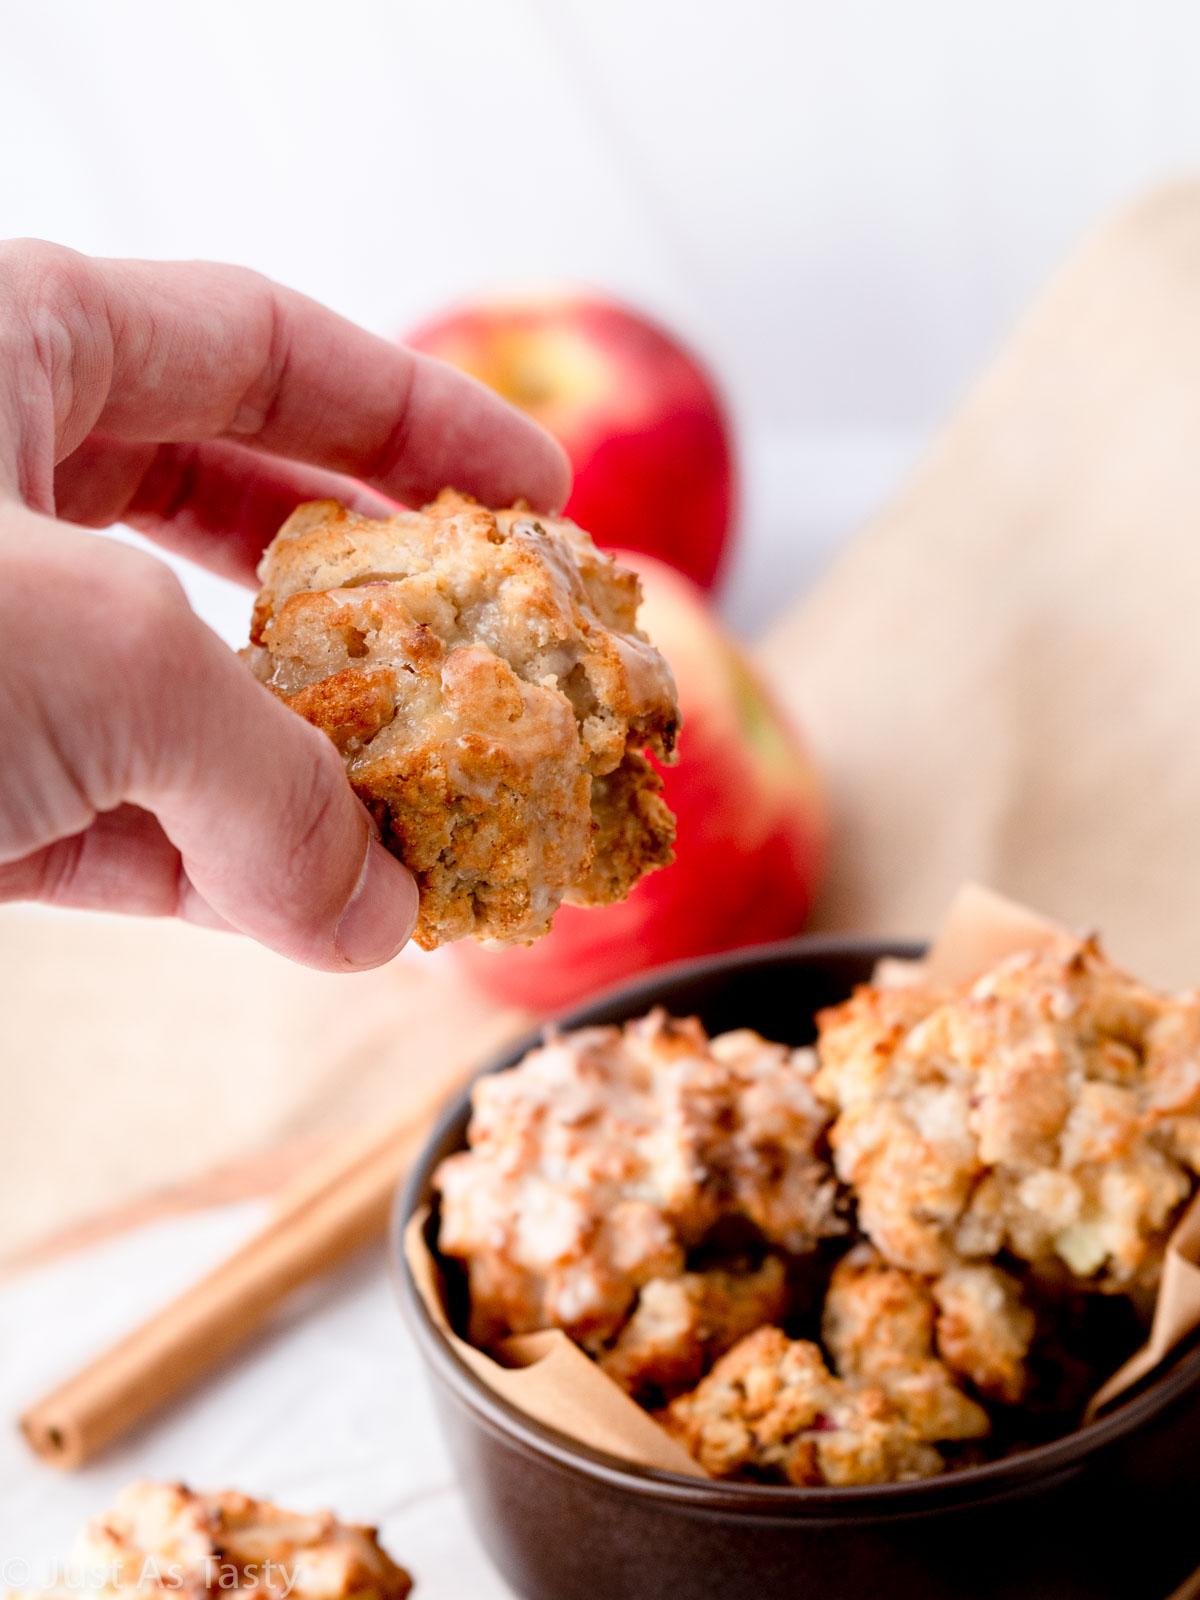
180 352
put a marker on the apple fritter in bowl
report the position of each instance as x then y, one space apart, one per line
918 1245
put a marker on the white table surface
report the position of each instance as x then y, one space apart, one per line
331 1409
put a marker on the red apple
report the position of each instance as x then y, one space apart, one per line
635 411
751 821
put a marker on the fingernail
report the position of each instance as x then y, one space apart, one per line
377 922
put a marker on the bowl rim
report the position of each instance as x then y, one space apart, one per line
1026 1470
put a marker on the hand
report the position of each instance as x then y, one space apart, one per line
142 768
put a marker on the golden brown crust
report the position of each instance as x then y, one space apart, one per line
679 1326
878 1326
634 832
916 1338
1047 1109
876 1316
984 1331
201 1544
603 1157
484 678
351 706
771 1409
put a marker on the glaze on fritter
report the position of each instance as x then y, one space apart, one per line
483 676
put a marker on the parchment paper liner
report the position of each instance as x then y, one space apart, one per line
551 1380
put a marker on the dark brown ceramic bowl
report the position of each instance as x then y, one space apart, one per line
1108 1511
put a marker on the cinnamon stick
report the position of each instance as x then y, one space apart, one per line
322 1219
1189 1589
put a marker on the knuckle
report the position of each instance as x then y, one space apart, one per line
257 403
142 608
119 687
38 277
312 814
51 307
28 260
315 835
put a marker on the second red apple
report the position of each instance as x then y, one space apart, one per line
636 412
751 827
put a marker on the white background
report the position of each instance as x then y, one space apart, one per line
843 206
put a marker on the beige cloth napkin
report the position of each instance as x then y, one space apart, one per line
1002 675
137 1055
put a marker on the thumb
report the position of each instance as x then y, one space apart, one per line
270 833
129 698
292 858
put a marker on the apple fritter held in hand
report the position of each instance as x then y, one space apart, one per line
483 676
